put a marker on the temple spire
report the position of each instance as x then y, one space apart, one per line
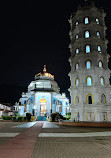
44 70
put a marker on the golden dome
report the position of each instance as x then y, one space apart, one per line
45 73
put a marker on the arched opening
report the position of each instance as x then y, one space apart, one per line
86 20
77 51
77 66
100 64
76 82
87 35
88 49
98 34
89 99
102 81
77 100
77 23
77 36
97 20
43 106
88 64
89 81
99 49
103 99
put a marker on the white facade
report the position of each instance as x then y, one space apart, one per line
43 97
90 87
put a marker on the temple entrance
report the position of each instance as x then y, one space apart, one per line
43 107
89 99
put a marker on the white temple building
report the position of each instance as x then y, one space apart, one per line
90 86
5 109
43 97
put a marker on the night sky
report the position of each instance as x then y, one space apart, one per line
34 34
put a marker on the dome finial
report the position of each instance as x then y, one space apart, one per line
44 70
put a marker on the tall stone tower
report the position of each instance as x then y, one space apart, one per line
90 87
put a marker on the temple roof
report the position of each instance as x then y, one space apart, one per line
44 74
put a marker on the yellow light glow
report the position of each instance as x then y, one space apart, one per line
48 75
43 100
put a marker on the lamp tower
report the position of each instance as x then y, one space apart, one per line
90 87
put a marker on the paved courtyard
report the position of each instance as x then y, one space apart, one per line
50 140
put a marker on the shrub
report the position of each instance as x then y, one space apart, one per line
13 118
56 116
20 119
24 119
6 117
69 113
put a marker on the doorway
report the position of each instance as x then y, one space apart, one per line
89 99
43 107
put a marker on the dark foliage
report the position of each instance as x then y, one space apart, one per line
56 117
28 116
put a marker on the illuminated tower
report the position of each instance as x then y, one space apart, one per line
90 87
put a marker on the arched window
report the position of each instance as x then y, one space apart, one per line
89 99
77 36
77 51
97 20
87 35
103 99
88 64
77 66
77 23
89 81
88 49
102 81
100 64
98 34
86 20
77 82
77 100
99 49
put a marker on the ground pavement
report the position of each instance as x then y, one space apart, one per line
50 140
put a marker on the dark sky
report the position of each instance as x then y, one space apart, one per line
34 33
